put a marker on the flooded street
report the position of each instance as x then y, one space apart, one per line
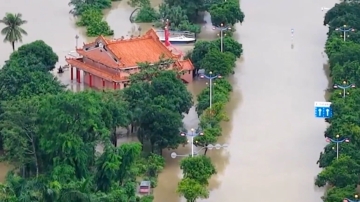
274 138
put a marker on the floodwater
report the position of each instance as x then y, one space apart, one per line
274 139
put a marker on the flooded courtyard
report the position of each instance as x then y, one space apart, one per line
274 140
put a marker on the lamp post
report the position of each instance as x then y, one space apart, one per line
210 77
345 29
349 200
192 134
209 146
76 39
337 141
344 87
222 28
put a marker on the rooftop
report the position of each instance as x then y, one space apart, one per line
122 53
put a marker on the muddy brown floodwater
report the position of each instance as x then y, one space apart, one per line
273 136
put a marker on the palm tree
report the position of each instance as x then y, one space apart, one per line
12 31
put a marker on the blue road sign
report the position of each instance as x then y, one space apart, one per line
323 109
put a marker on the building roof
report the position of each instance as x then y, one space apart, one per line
128 52
186 65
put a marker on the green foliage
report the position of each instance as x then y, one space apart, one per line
36 53
80 6
146 14
198 168
51 137
227 13
342 175
93 19
222 63
12 31
158 106
178 17
220 94
202 48
192 190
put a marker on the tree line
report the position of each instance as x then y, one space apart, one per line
184 15
207 56
341 176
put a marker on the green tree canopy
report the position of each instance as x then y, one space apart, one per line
218 62
227 13
198 168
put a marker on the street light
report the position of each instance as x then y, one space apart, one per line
349 200
210 77
344 87
192 134
344 29
76 38
222 28
209 146
337 141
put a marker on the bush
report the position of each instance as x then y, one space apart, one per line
93 20
99 28
146 14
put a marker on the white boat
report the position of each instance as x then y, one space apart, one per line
177 37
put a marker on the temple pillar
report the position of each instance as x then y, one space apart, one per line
71 73
78 75
90 80
114 85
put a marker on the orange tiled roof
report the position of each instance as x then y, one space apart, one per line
96 56
97 72
147 48
186 65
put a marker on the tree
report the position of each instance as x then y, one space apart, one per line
37 55
191 7
192 190
220 94
13 31
201 48
177 16
20 135
229 45
218 62
198 168
173 91
338 194
347 53
161 127
16 81
116 112
80 6
341 173
77 121
146 14
227 13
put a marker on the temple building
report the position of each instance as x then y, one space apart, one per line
108 63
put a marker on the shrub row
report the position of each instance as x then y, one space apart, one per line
341 175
